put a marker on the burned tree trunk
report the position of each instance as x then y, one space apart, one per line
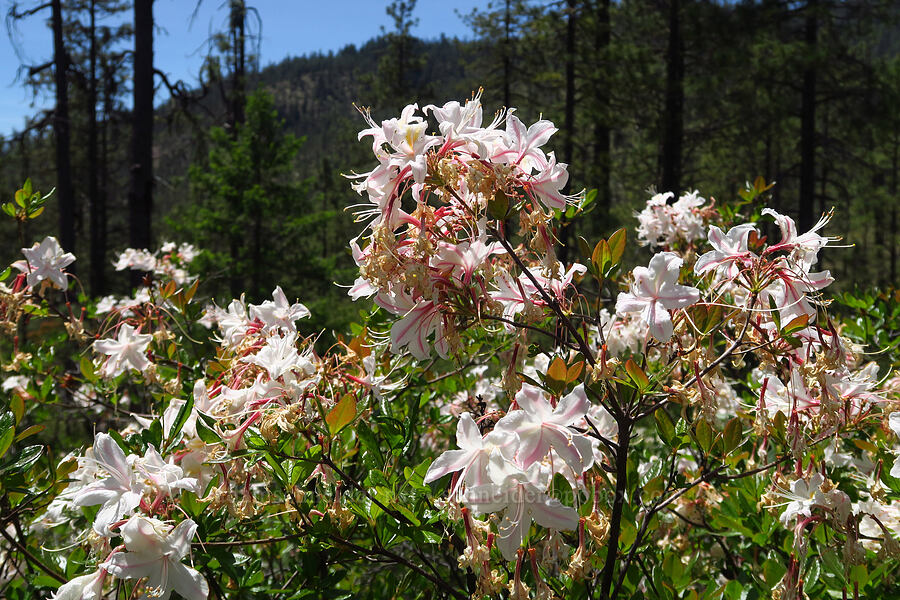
65 193
140 197
808 124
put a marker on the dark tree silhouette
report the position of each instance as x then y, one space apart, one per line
140 197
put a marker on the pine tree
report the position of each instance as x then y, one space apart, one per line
243 196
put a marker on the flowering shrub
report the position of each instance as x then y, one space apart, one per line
504 426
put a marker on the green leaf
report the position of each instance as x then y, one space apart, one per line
254 441
17 406
28 456
732 435
584 248
637 375
34 429
343 413
369 443
654 469
601 257
859 575
117 437
617 245
672 566
154 434
706 317
208 419
812 572
773 571
408 514
664 426
416 477
795 325
773 311
832 563
704 435
45 581
180 419
87 369
734 591
589 199
429 537
556 375
189 294
46 387
277 469
206 434
574 371
779 426
498 205
74 561
7 431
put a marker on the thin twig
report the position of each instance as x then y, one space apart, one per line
248 542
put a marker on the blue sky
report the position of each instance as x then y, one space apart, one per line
289 28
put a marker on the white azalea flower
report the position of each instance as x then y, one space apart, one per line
279 356
85 587
127 351
729 250
803 495
465 257
514 491
135 259
278 314
119 493
155 551
472 457
655 291
233 322
45 262
165 477
540 427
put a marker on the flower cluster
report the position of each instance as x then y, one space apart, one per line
661 224
127 488
442 263
271 384
170 261
510 469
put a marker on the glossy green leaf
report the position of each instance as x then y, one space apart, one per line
206 434
617 245
731 438
26 458
664 426
703 434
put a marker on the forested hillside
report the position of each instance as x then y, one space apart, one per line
672 95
